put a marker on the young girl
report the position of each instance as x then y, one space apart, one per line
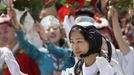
86 43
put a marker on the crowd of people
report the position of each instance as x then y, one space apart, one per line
86 43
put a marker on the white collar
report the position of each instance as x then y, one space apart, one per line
90 70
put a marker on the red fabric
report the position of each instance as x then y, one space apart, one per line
93 2
81 2
70 1
97 18
63 11
46 1
27 65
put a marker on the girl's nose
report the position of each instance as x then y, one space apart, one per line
76 46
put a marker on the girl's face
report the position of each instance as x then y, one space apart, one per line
53 33
78 43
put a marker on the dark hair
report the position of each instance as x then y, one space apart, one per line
86 11
94 38
91 35
81 31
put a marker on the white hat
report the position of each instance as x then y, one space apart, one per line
84 21
104 23
5 18
49 20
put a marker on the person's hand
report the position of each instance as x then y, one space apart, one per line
112 12
37 27
41 31
128 30
131 11
104 66
129 33
11 13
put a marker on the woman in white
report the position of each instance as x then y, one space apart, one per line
86 43
126 53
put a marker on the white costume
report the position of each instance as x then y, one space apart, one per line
7 56
127 61
100 65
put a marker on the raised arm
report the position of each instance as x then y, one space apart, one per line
58 51
124 47
26 46
12 14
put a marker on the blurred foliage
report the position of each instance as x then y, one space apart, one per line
34 6
2 7
121 4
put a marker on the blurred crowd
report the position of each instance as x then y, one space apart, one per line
93 40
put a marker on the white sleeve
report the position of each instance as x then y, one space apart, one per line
1 57
127 62
68 71
129 56
68 23
104 66
11 62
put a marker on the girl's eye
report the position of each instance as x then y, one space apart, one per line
79 41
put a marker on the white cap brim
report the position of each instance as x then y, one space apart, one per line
85 24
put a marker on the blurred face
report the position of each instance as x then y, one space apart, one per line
53 33
7 36
78 43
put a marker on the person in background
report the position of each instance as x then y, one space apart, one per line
86 43
8 38
47 63
125 53
87 15
50 28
